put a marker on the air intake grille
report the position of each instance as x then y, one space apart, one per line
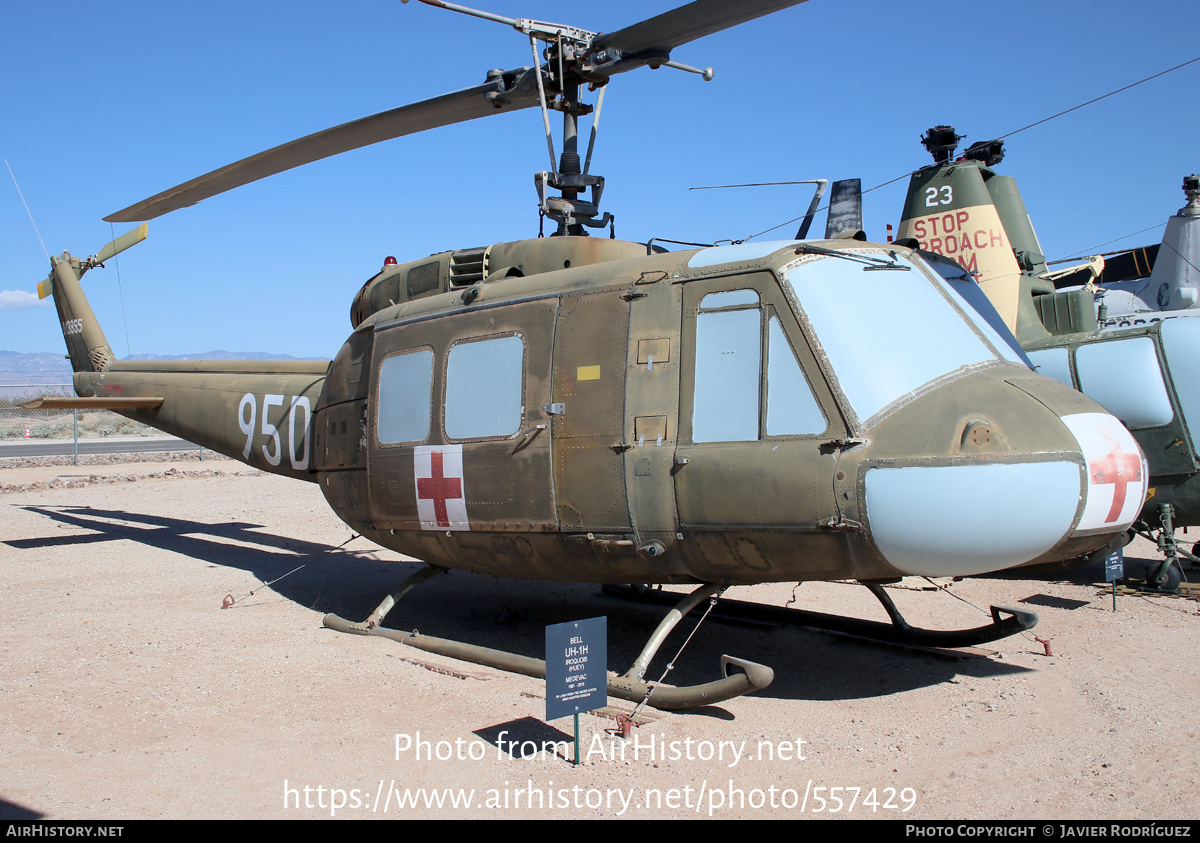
468 266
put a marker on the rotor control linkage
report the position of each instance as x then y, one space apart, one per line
1005 621
738 676
574 57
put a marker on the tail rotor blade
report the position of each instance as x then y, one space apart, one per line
129 238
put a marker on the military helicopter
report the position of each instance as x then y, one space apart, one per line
1137 286
1142 368
581 409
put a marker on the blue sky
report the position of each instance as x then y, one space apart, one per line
104 104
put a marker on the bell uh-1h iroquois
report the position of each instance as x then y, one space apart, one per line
1142 368
590 410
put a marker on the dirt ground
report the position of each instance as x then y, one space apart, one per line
129 692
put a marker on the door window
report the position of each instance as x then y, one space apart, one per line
405 382
484 380
791 407
730 389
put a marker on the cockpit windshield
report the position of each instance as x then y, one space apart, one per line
981 311
886 334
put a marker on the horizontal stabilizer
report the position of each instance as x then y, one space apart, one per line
148 402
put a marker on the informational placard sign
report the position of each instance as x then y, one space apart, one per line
1114 565
576 667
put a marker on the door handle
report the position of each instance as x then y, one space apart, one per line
528 436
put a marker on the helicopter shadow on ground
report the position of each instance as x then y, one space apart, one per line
827 666
303 569
15 812
512 614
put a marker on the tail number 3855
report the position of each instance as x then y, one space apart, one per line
290 421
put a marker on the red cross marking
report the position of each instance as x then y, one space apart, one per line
1118 468
440 489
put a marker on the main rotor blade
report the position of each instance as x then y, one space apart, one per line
457 107
687 23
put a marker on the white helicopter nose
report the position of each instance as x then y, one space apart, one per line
991 516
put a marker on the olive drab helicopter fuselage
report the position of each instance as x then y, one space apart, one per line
589 410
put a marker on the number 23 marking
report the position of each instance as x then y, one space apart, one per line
931 196
274 455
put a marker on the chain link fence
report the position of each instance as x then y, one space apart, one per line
47 432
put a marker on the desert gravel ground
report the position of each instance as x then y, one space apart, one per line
128 692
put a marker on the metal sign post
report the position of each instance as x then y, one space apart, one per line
576 670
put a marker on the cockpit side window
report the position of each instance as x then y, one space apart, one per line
738 340
791 407
1124 376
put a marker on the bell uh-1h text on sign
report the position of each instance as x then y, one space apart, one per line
576 667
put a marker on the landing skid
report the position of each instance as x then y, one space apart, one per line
1005 621
738 675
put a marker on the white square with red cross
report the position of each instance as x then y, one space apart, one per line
1116 471
440 487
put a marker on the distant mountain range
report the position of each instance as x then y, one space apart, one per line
48 367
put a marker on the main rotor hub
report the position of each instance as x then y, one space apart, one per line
1191 189
574 56
941 141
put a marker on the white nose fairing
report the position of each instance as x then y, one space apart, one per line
988 517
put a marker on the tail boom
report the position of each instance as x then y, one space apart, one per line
260 413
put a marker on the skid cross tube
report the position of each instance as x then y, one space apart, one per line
738 676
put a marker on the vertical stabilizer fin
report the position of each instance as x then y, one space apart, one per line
87 346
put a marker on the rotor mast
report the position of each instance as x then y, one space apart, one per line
568 209
573 56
